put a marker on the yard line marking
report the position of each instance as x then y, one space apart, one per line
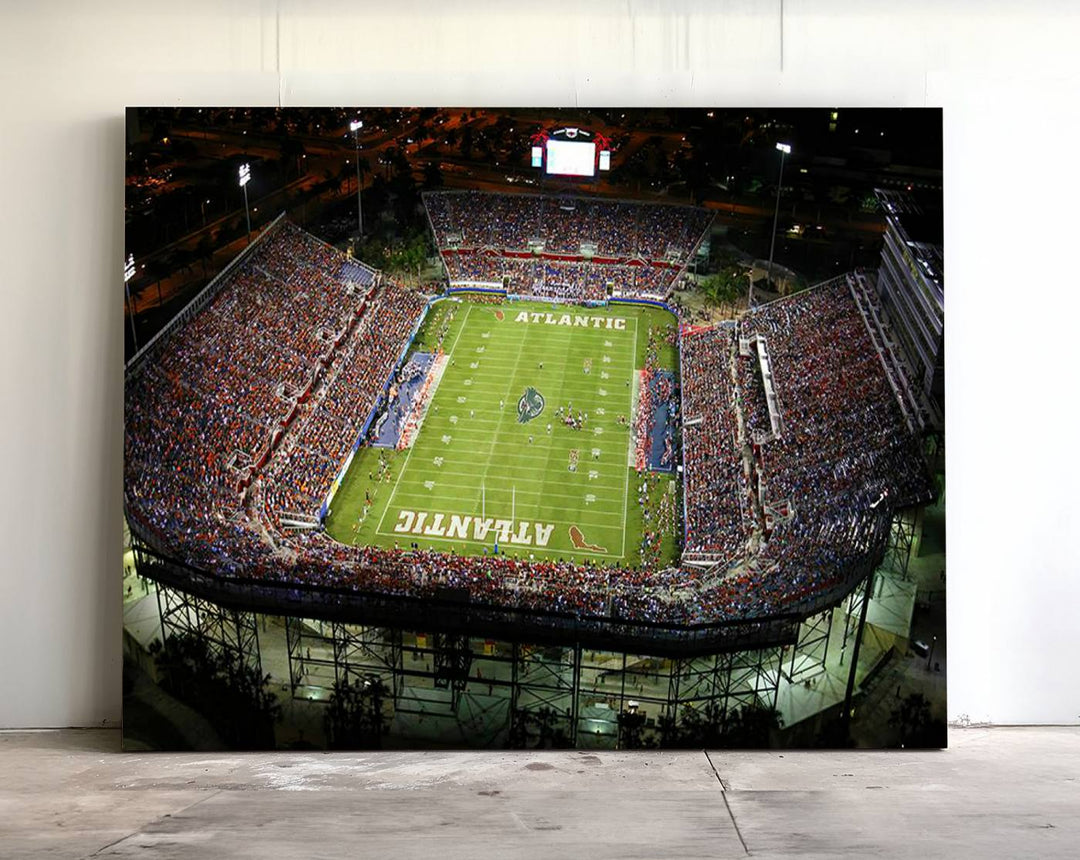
390 501
461 328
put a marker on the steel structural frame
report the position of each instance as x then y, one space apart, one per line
566 682
536 692
229 633
812 646
903 532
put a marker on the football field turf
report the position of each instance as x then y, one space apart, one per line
492 461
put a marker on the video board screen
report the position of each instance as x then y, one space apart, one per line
571 158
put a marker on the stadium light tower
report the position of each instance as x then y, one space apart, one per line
129 273
245 178
785 149
355 127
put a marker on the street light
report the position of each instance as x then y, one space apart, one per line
245 178
129 273
355 127
785 149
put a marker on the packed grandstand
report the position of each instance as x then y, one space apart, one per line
571 248
240 416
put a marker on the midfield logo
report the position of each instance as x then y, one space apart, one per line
530 405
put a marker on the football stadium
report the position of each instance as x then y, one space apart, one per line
536 503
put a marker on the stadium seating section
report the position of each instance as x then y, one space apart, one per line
241 418
637 249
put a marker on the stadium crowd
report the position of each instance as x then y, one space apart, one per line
475 232
616 228
572 281
713 470
207 416
204 416
844 448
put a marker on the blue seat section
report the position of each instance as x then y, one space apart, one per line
409 380
665 404
356 272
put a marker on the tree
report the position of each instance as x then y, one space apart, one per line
539 729
723 288
631 727
354 717
916 724
748 727
433 177
467 143
292 150
233 696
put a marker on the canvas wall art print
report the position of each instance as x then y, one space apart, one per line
533 428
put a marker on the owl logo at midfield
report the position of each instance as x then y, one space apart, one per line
530 405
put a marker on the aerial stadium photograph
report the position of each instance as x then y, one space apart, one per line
607 428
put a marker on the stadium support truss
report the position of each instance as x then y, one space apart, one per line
229 633
812 648
497 692
565 687
526 694
903 540
501 690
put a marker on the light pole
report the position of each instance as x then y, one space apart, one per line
129 273
355 127
785 149
245 178
202 208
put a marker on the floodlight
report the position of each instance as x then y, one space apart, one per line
784 148
245 174
356 125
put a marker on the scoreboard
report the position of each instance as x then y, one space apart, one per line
571 152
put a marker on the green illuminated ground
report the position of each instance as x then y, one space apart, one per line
489 474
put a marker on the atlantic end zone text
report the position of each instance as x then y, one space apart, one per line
521 533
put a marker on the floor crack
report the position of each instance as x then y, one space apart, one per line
142 827
724 788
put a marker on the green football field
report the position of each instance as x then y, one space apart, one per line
492 461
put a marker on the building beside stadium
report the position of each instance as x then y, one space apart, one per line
911 284
799 450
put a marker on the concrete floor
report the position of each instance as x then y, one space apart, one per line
995 793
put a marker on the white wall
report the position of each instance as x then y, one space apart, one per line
1007 82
